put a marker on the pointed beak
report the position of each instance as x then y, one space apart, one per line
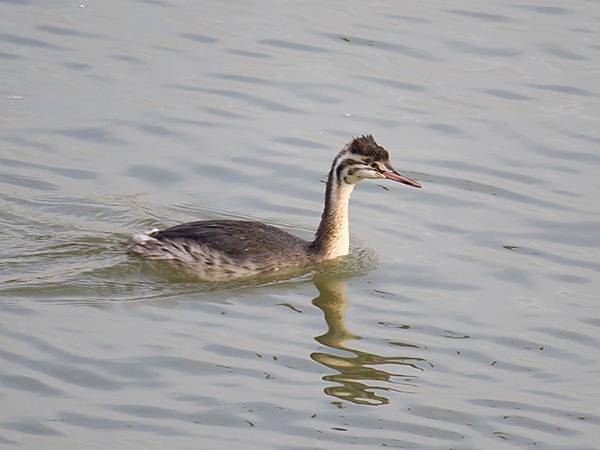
393 175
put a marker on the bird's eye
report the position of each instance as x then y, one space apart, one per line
374 165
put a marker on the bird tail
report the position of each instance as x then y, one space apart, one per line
144 244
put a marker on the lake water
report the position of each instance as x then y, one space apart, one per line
467 317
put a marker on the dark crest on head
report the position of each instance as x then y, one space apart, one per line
367 147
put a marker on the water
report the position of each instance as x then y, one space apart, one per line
467 316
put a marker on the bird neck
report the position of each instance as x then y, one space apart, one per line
333 235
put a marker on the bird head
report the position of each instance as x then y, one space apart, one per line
363 159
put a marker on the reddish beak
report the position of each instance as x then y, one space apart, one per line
393 175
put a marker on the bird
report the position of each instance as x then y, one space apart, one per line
223 250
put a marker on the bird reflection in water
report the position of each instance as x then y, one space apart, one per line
356 379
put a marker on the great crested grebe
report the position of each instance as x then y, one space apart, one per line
216 250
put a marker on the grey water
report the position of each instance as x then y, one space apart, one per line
467 316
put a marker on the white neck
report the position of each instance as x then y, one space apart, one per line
339 237
333 236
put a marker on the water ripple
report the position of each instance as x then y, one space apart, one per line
499 52
466 314
383 45
28 42
199 38
62 31
487 17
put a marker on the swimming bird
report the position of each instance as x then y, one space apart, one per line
218 250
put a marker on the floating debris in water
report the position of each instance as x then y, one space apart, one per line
379 291
394 325
290 306
455 335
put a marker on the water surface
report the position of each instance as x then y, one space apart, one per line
467 316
